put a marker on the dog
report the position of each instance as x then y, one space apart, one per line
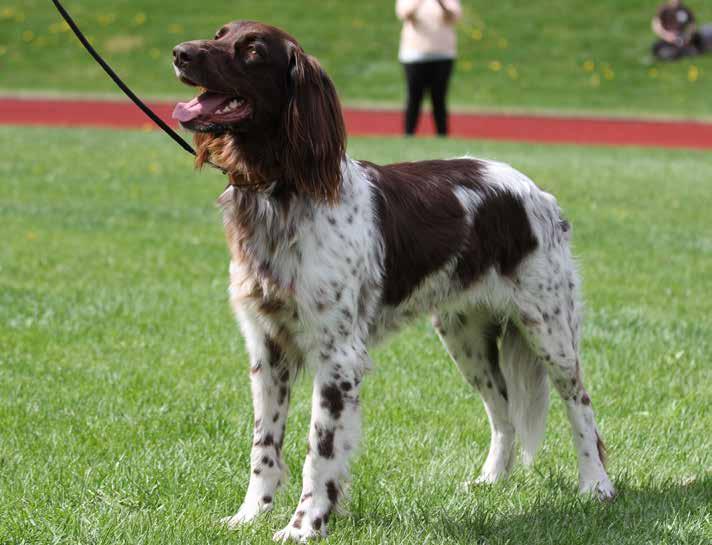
329 254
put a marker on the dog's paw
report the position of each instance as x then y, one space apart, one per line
602 489
493 472
299 535
490 477
248 512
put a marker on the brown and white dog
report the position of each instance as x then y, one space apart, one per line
329 253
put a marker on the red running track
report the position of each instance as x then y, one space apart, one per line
520 128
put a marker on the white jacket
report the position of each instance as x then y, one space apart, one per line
426 33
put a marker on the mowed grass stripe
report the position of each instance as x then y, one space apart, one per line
125 414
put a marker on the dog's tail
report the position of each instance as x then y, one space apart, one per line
528 391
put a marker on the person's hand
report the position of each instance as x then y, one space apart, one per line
448 14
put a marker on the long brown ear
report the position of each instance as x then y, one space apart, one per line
316 136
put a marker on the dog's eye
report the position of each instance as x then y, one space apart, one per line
253 53
220 33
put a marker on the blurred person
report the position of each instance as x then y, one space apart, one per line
676 27
428 47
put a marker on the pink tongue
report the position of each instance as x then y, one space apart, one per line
206 103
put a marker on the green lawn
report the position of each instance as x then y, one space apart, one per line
124 400
562 55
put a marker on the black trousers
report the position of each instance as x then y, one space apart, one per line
670 52
432 76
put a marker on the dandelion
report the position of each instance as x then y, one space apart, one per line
589 66
653 73
154 53
466 65
503 43
28 36
19 17
358 23
139 19
31 235
595 80
608 73
175 28
3 50
154 168
7 13
476 34
495 66
105 20
512 72
693 73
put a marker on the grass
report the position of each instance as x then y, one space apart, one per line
567 55
124 407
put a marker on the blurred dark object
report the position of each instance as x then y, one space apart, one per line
676 26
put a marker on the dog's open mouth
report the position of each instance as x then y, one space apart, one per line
211 108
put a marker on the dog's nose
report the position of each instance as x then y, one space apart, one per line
183 53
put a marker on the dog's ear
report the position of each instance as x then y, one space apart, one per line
314 127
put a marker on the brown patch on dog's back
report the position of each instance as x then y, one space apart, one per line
421 219
424 224
500 236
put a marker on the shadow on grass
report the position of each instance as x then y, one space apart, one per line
655 513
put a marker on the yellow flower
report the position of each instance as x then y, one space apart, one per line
608 74
19 17
3 50
31 235
653 72
105 20
155 53
503 43
466 65
139 18
476 34
595 80
358 23
693 73
28 36
154 168
589 65
175 28
7 13
512 72
495 66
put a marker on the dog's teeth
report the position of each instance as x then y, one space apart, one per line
233 104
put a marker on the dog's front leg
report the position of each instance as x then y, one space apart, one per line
272 371
333 435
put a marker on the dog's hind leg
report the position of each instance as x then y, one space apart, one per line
471 340
549 318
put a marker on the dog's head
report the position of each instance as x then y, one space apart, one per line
268 111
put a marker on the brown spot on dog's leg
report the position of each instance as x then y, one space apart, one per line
298 520
332 492
333 400
325 442
602 453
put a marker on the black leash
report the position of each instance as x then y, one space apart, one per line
128 92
